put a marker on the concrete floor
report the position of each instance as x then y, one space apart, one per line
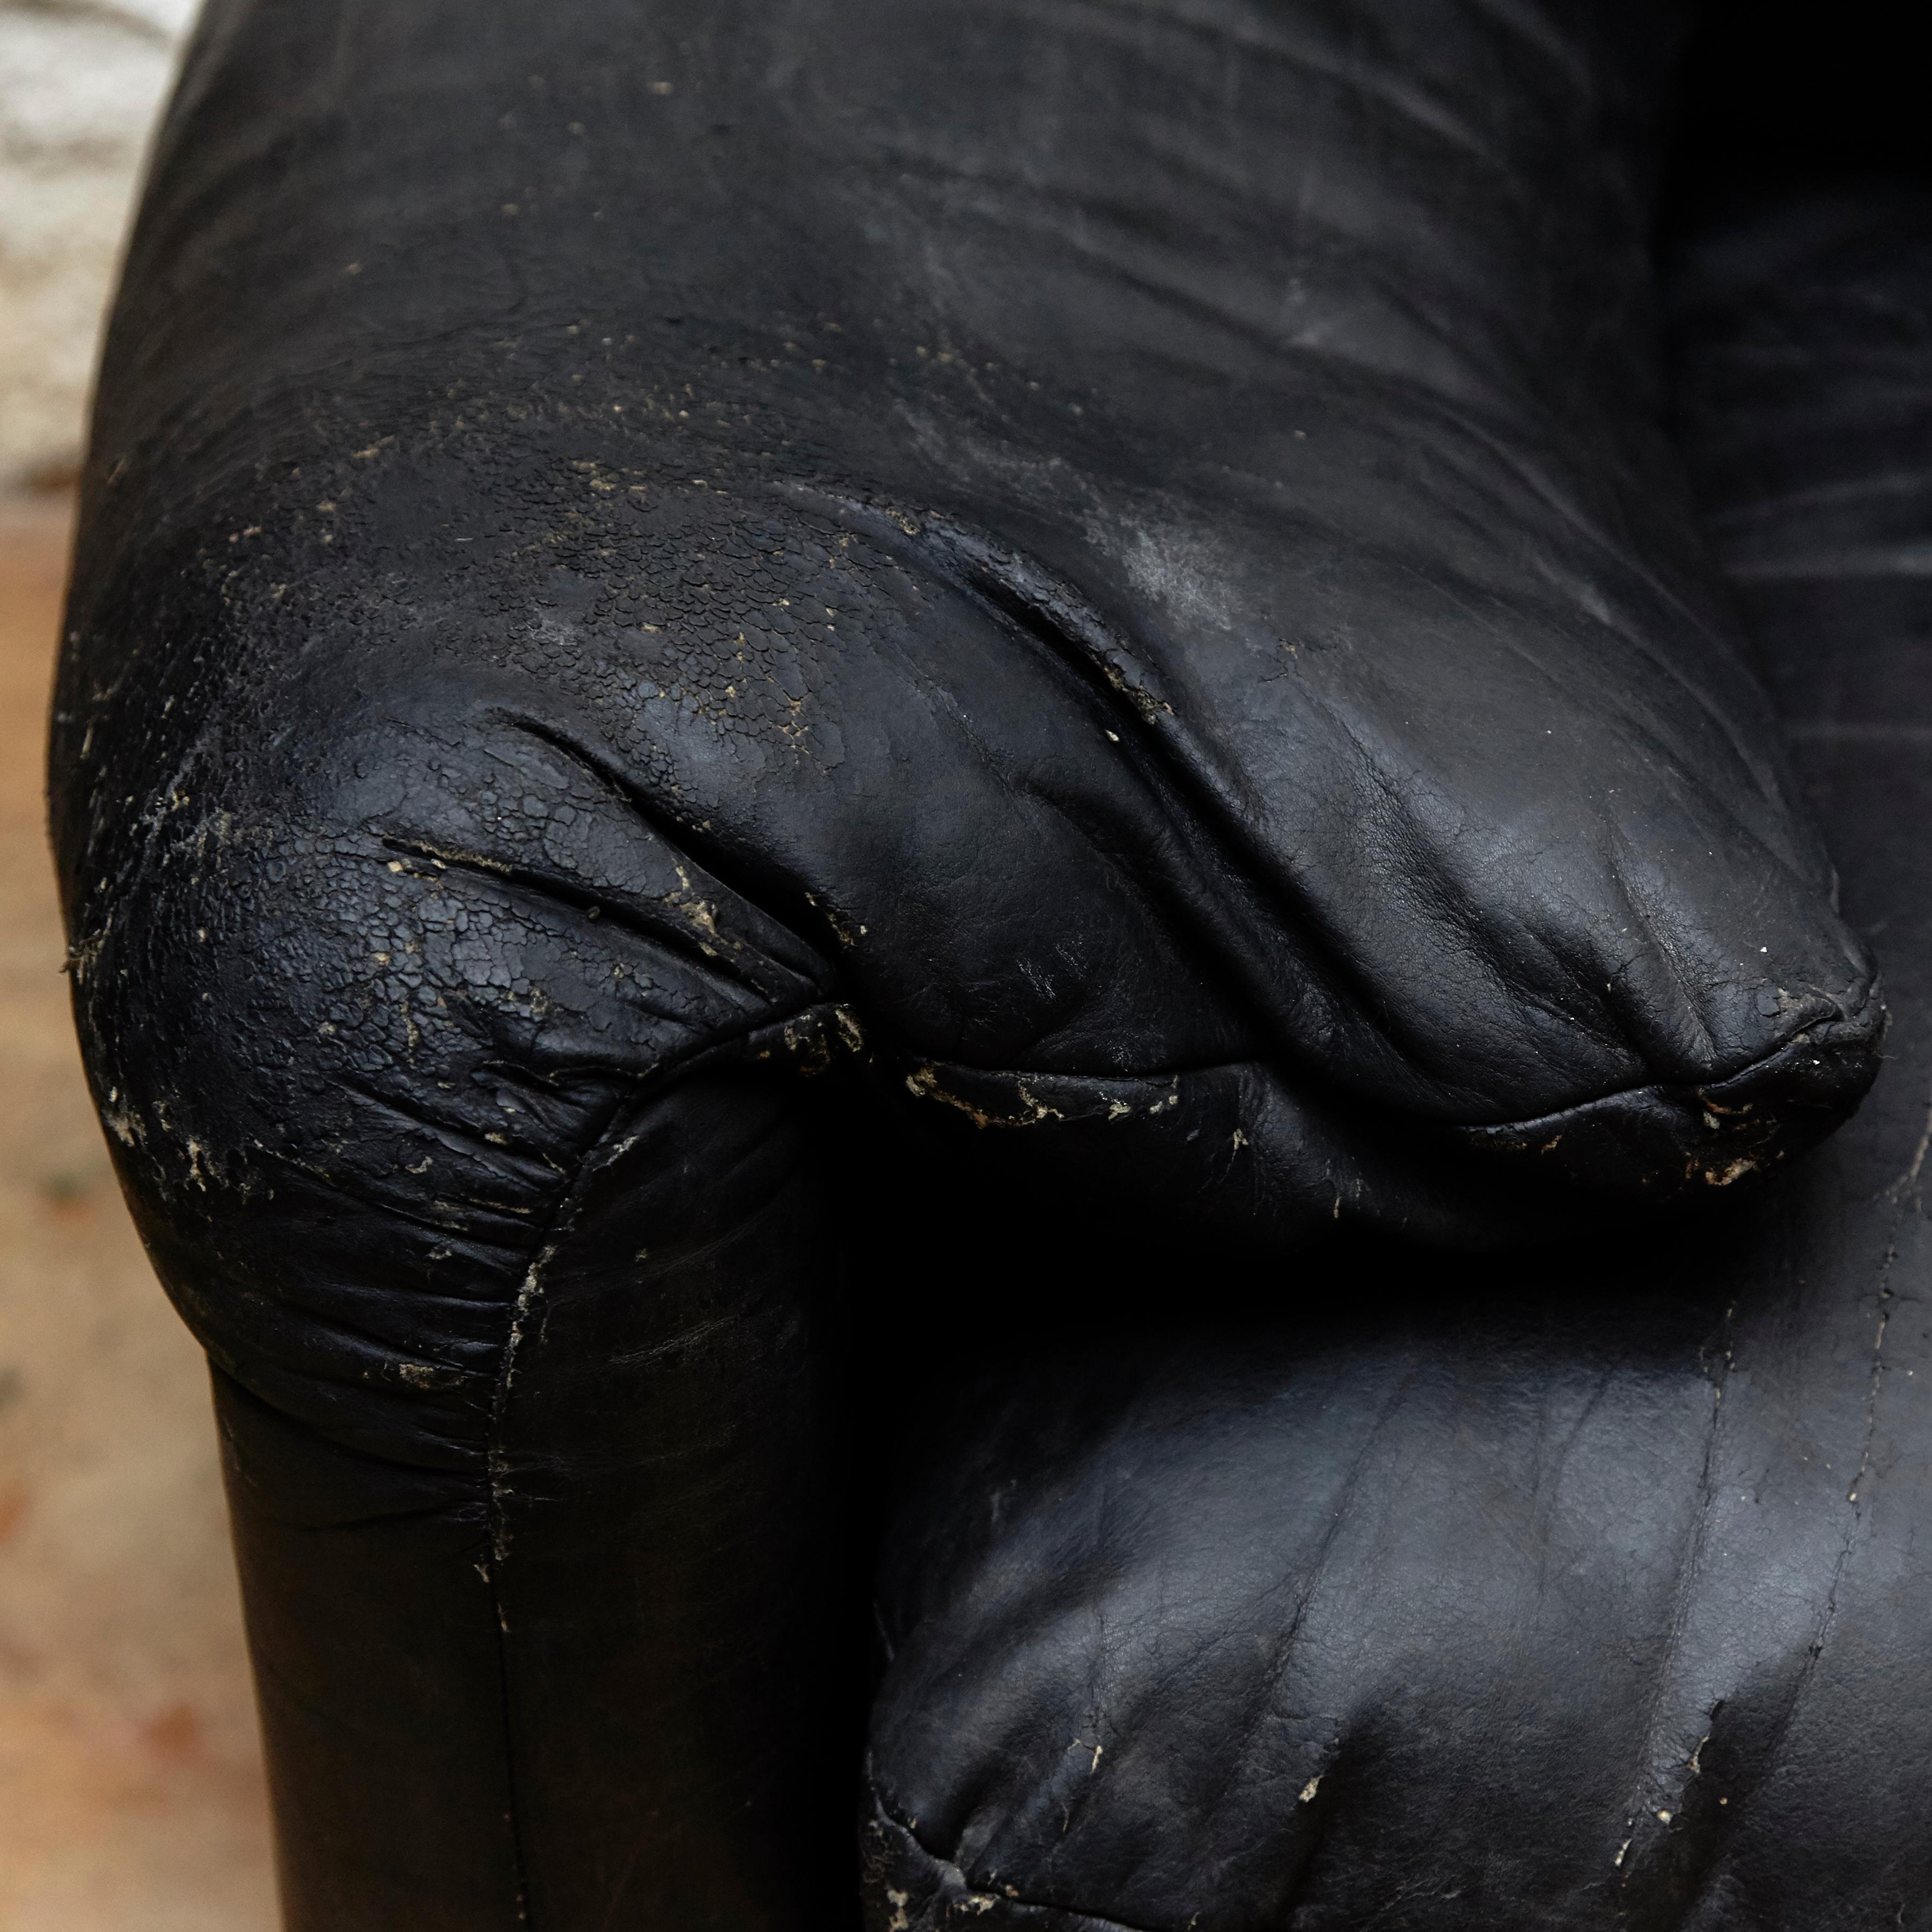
130 1783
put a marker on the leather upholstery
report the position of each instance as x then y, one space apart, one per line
1585 1590
689 614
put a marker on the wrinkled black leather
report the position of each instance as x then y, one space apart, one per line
1101 577
1581 1592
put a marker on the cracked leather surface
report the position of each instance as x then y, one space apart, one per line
1089 597
1581 1592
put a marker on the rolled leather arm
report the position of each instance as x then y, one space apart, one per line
466 1118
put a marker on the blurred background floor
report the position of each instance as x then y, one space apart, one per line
130 1783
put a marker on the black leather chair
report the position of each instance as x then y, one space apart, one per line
966 788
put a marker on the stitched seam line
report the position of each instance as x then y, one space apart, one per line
1683 1092
631 1094
555 1229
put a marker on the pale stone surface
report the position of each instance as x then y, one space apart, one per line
80 82
131 1796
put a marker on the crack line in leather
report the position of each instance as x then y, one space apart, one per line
1096 1920
1688 1573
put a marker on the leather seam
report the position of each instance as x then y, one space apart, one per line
631 1094
1684 1092
555 1228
